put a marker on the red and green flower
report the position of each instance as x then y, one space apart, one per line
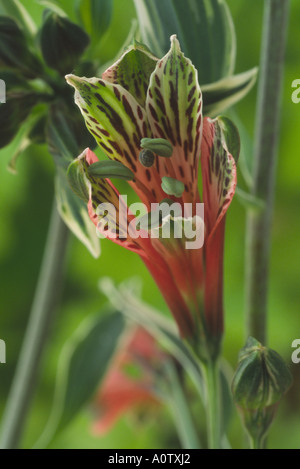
141 97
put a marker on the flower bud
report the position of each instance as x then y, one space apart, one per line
17 108
147 158
62 42
172 186
160 146
260 381
14 50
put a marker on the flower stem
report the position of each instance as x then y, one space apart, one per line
41 314
213 404
181 412
265 158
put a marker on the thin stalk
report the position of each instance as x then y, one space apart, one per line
35 339
265 157
180 410
213 404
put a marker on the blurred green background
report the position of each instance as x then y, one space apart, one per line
25 207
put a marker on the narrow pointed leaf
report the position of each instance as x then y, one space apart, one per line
83 364
95 16
219 96
204 28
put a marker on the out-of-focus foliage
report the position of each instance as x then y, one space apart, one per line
25 206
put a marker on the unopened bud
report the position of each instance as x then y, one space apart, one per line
147 158
14 50
62 42
260 381
160 146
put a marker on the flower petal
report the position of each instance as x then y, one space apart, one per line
174 106
132 71
118 123
218 173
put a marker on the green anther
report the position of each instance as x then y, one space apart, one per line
172 186
147 158
160 146
110 169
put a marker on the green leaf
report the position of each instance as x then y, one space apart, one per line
83 364
249 201
53 6
125 299
33 132
65 134
62 42
16 10
95 16
204 28
74 213
219 96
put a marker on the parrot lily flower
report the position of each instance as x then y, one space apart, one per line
141 97
130 381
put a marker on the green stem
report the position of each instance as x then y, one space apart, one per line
256 443
213 403
41 314
265 158
180 410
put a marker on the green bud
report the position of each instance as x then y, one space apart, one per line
260 381
62 42
147 158
160 146
110 169
172 186
14 112
14 50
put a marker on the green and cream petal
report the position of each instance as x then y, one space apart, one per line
118 123
132 71
174 108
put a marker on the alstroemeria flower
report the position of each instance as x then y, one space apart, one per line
140 97
130 381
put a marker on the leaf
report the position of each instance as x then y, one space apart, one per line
53 6
224 93
204 28
124 299
74 213
83 364
16 10
95 16
65 134
249 200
